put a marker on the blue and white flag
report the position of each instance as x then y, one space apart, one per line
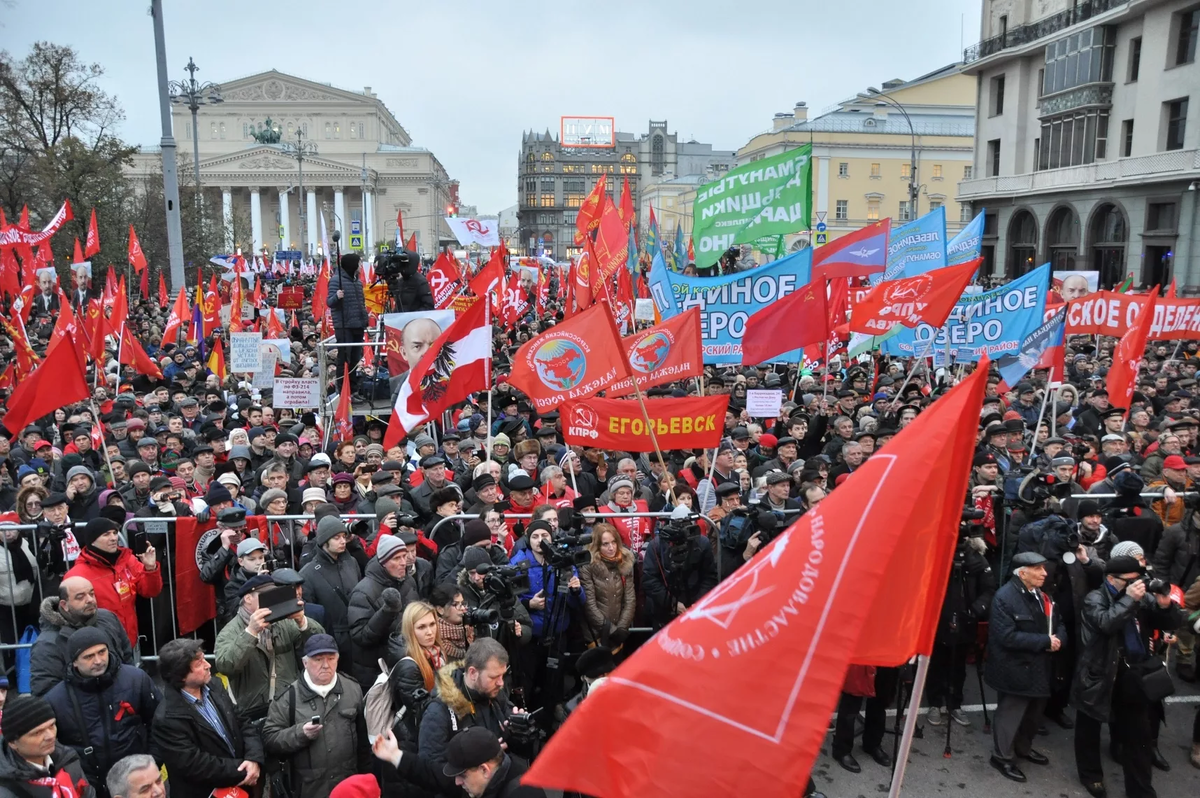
1013 368
968 244
916 248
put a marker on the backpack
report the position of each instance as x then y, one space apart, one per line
377 704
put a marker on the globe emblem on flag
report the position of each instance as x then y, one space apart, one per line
651 352
560 364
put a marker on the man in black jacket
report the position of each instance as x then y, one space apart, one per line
103 708
196 732
1118 619
679 569
74 609
472 695
329 579
348 307
31 753
475 763
376 604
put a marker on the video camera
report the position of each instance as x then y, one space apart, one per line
391 267
971 524
565 551
505 582
1154 585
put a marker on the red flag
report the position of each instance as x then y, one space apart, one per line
799 319
216 360
543 290
137 258
180 314
144 284
859 254
818 597
235 301
400 224
611 248
618 424
119 310
212 306
321 291
572 360
25 359
342 425
624 301
411 246
1127 357
274 325
515 303
588 217
691 256
1171 290
581 285
132 354
64 326
256 298
93 238
626 209
94 329
78 256
163 296
444 280
489 277
10 272
195 604
456 364
663 353
927 298
57 382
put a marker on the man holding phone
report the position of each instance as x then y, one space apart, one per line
318 724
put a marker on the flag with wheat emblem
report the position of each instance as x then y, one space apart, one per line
458 363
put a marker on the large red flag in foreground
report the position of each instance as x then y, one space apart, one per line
572 360
799 319
58 381
1127 357
927 298
778 635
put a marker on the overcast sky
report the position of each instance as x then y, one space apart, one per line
466 77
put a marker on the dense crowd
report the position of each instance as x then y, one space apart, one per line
419 619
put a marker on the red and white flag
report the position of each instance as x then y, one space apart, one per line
93 238
458 363
180 313
484 232
444 280
926 298
821 595
137 258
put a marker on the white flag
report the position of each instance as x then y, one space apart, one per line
485 233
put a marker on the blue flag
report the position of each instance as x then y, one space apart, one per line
968 244
680 248
916 248
632 261
1013 368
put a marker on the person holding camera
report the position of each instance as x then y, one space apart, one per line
348 306
678 570
1119 677
1026 629
407 286
1177 560
608 589
477 593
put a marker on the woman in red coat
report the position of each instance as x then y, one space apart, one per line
117 576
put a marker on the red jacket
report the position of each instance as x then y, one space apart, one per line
636 532
117 588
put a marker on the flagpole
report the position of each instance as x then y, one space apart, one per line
649 425
96 413
913 370
1042 412
910 726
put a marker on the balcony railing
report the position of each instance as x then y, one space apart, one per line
1047 26
1095 175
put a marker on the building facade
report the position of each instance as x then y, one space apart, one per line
360 171
553 180
864 152
1088 143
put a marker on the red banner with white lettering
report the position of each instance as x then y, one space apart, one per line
1111 313
664 353
690 423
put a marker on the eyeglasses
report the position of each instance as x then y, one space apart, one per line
461 605
33 505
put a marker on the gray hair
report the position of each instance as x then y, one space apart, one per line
549 473
275 466
118 777
848 444
626 460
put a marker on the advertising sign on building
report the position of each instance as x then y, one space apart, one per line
587 131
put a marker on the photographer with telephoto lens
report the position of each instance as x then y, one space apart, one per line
679 568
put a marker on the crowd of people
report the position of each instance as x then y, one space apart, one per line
418 619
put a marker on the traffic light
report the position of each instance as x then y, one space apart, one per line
452 210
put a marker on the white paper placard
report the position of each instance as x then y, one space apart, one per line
245 352
764 403
301 393
643 309
266 377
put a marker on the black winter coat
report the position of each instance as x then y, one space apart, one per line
16 773
48 658
414 294
1178 556
349 312
330 582
1018 658
969 596
194 753
659 579
93 720
455 707
370 622
1105 615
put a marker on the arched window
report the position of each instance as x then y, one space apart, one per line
628 158
1062 239
656 154
1107 235
1023 240
529 158
547 156
328 130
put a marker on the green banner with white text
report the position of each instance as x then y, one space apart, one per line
769 197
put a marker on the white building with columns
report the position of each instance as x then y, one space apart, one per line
360 170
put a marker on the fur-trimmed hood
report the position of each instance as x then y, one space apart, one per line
452 691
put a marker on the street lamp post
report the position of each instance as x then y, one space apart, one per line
298 150
170 169
914 187
194 94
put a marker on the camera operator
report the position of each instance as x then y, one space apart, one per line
1177 560
348 306
968 599
407 286
679 569
1116 678
1070 574
488 597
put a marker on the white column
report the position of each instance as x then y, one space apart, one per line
823 185
339 208
227 216
312 222
369 223
256 231
285 219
